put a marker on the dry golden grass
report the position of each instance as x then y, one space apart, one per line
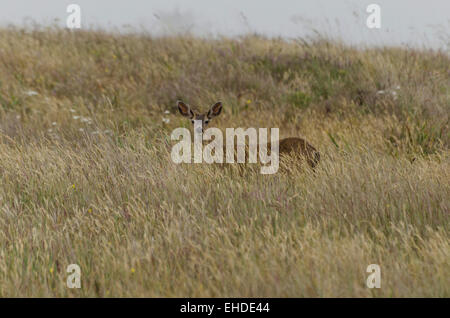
86 175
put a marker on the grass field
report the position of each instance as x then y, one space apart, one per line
86 176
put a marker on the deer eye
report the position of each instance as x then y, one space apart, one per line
206 121
192 121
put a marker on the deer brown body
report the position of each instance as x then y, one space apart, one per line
297 146
292 146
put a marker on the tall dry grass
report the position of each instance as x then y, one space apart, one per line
86 175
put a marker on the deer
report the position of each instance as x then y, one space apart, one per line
292 146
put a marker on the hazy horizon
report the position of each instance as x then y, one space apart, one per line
411 23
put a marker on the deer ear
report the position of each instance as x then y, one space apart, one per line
185 110
215 110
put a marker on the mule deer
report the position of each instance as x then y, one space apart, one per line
292 146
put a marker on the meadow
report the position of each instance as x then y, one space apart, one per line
86 176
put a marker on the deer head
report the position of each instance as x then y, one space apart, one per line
205 118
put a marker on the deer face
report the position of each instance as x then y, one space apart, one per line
205 118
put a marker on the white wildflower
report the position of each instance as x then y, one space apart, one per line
86 120
31 93
394 95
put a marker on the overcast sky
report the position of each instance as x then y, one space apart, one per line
403 22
